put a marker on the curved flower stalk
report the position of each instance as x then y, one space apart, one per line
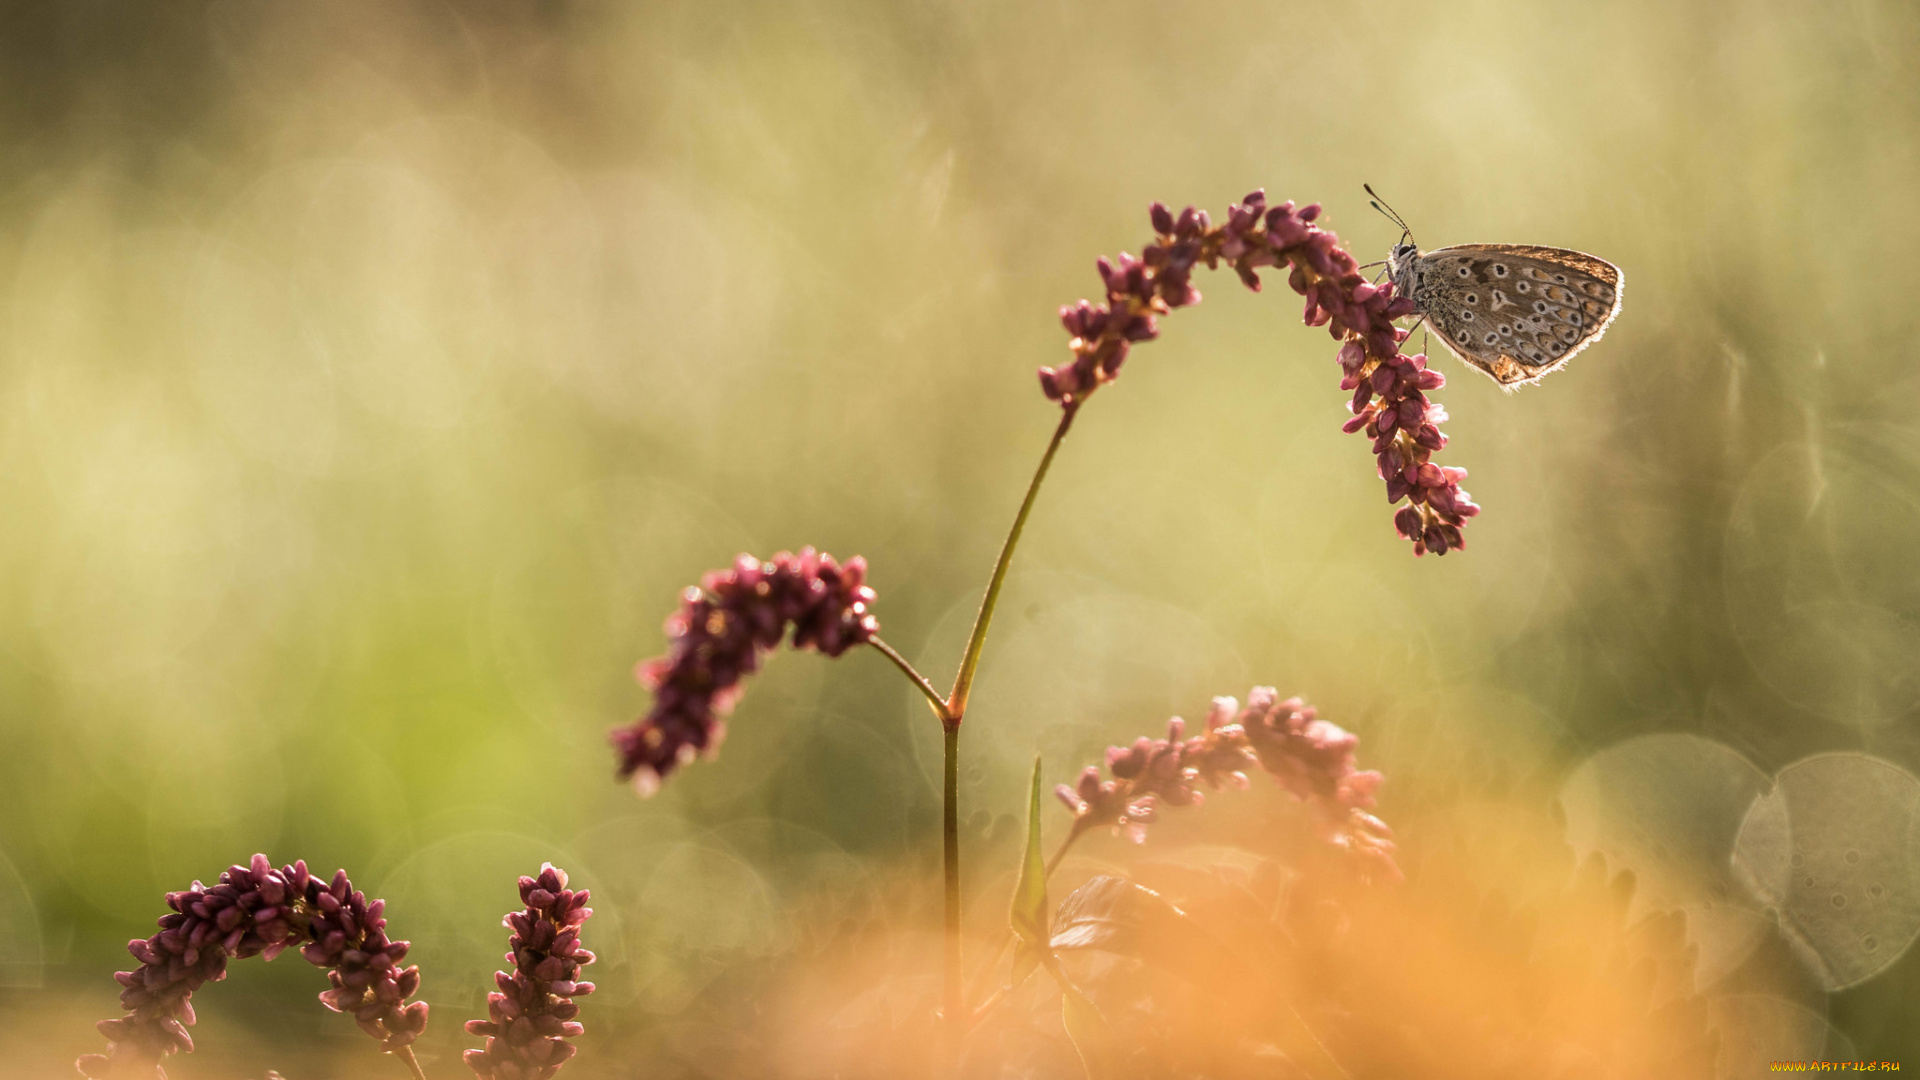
256 910
531 1017
1310 757
723 627
1405 426
718 637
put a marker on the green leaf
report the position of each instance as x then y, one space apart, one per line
1028 917
1099 1053
1025 959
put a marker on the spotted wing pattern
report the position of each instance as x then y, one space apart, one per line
1515 312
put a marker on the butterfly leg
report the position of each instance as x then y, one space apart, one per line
1419 324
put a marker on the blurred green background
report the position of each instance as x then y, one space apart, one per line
373 376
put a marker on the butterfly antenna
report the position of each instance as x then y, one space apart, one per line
1380 204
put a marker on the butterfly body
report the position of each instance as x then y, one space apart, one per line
1514 311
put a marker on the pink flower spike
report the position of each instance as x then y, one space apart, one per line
531 1016
721 634
257 910
1311 757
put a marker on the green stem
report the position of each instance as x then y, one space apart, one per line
1065 843
405 1054
919 680
970 662
951 711
953 1001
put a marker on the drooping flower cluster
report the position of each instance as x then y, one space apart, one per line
1138 291
1355 312
1310 757
256 910
1156 771
718 636
532 1015
1313 759
1405 427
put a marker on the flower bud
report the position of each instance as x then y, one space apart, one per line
532 1015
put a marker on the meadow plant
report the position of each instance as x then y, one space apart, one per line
1310 757
258 910
1405 426
723 627
722 630
531 1017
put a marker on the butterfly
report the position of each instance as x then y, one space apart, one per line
1515 311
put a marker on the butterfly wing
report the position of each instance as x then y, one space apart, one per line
1515 311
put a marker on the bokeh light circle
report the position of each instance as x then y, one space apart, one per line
1833 852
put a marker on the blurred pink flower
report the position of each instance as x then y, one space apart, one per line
1310 757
